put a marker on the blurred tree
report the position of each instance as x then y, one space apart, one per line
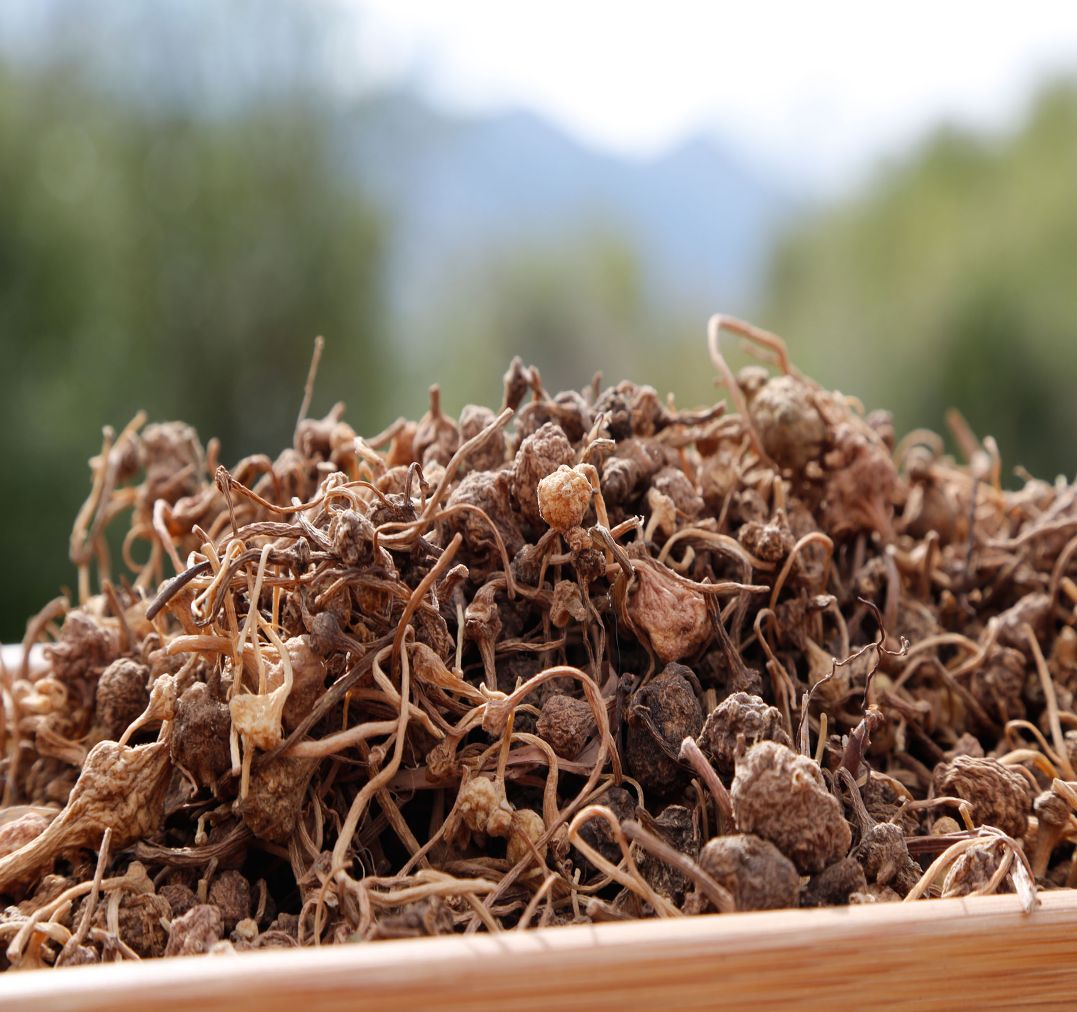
949 282
572 307
155 256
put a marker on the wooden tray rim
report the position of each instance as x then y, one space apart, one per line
979 951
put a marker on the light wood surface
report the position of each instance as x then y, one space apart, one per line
976 953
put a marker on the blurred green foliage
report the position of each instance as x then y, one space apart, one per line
153 258
571 308
951 282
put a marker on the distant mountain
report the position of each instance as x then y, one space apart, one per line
701 217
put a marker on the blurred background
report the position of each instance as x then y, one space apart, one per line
191 190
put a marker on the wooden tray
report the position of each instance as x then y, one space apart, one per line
981 952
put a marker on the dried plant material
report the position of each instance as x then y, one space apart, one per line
257 719
1052 820
782 797
597 833
436 437
21 830
676 825
172 457
874 894
566 604
661 715
884 856
975 870
198 743
453 677
308 680
119 788
540 454
140 920
482 508
422 919
756 873
567 724
478 801
835 884
999 796
474 418
273 804
85 648
737 723
121 695
230 893
860 483
673 616
180 897
526 830
564 498
194 932
789 424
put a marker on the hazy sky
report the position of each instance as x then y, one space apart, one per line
824 87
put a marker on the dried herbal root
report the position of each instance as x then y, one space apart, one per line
661 715
120 789
783 798
567 724
195 931
999 797
676 828
738 722
757 874
586 657
834 885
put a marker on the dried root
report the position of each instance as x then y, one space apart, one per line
587 658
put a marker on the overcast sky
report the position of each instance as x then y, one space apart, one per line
827 88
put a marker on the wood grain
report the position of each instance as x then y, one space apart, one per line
981 952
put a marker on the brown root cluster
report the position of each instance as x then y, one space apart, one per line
587 657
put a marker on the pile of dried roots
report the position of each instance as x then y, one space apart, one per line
586 658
